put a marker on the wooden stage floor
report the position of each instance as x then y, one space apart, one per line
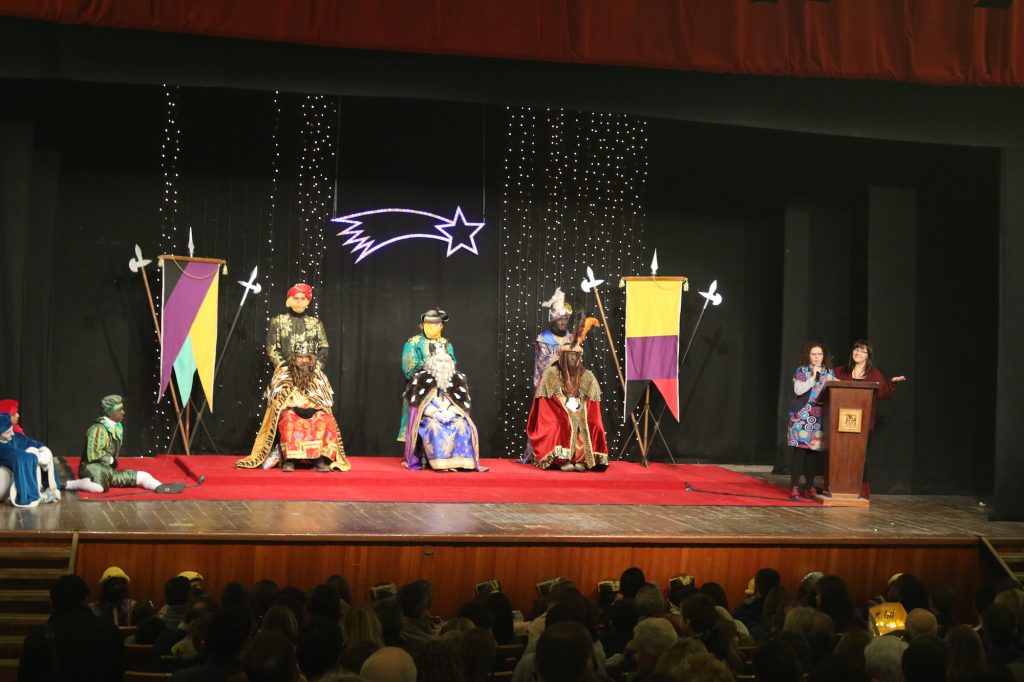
891 518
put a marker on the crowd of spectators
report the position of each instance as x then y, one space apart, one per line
634 631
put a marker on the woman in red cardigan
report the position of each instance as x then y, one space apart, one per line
861 368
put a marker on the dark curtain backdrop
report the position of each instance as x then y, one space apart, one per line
80 181
946 43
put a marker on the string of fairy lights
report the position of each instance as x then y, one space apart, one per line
572 197
315 184
164 420
269 258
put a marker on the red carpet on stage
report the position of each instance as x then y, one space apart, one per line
383 479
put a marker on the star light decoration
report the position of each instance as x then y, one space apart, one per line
457 232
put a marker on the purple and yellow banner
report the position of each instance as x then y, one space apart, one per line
189 324
653 307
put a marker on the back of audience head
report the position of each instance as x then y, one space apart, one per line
716 593
631 580
820 636
270 657
281 619
882 658
477 650
679 588
564 653
622 616
921 622
324 602
454 628
200 607
912 593
671 659
319 646
261 598
573 607
808 588
649 602
966 652
233 594
834 599
504 619
177 591
704 668
294 599
360 623
354 655
149 629
68 592
766 580
389 612
478 612
389 664
651 638
415 598
228 631
341 586
999 625
776 661
925 660
142 610
851 646
436 661
698 612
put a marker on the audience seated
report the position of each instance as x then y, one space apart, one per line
226 636
397 639
75 643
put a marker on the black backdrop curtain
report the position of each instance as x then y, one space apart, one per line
80 180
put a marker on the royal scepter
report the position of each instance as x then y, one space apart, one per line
590 285
255 287
138 264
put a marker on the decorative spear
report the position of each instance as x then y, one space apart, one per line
138 264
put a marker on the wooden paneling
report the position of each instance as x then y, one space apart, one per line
454 568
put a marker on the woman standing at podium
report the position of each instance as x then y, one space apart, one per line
806 431
861 368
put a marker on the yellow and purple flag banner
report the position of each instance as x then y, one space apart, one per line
189 324
653 307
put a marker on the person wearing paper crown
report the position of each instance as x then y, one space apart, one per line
565 426
416 351
298 425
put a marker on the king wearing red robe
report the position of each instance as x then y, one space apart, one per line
565 425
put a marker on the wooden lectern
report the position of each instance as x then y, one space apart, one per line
849 417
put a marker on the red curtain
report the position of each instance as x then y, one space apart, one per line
940 42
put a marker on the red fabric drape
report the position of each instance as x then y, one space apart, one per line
946 42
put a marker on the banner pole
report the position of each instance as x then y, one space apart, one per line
160 340
618 369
